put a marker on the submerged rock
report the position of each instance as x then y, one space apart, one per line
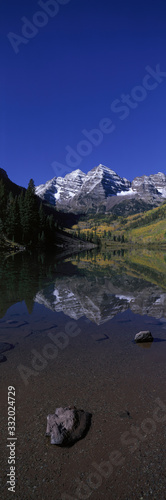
67 425
2 358
143 337
5 346
125 414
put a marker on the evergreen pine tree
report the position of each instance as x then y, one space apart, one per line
21 204
2 200
31 216
1 228
12 217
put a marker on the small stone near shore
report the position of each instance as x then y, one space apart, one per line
67 425
2 358
143 337
5 346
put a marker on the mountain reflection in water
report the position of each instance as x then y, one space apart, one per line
92 284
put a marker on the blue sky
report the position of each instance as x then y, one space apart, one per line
65 78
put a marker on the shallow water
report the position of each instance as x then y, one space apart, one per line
71 324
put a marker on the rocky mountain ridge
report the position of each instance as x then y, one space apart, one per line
101 189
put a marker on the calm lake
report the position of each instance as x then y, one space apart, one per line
70 326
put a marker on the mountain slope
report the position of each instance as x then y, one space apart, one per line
148 228
9 185
28 221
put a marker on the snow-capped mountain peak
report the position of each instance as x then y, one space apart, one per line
79 192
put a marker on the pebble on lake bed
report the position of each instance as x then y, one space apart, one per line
67 425
5 346
2 358
143 337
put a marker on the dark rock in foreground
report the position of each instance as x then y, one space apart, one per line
143 337
67 425
5 346
2 358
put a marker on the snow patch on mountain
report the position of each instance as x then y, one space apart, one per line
127 193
